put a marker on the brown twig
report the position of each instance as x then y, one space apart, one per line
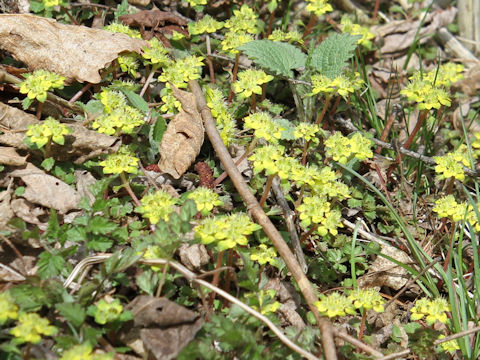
262 219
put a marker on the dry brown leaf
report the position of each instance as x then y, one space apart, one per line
384 272
151 19
76 52
193 256
183 138
160 327
397 36
8 156
6 212
47 190
29 213
81 144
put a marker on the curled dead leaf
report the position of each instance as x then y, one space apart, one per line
183 138
76 52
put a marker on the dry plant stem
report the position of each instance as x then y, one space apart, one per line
262 219
130 192
209 59
311 23
234 77
268 186
79 94
289 216
215 280
193 279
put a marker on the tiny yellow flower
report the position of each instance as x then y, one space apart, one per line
433 310
319 7
107 312
334 305
367 299
233 40
205 199
8 308
205 25
249 82
264 254
31 327
123 161
49 129
449 346
157 206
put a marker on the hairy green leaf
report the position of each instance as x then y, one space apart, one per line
74 313
278 57
331 56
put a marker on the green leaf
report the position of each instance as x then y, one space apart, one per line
19 191
50 265
101 226
188 211
75 313
331 56
156 131
136 100
53 228
278 57
99 243
147 281
94 107
48 163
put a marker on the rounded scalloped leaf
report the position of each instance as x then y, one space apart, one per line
278 57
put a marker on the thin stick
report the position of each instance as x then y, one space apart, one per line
262 219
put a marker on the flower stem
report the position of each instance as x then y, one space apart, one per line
162 280
130 192
421 118
227 275
268 186
324 110
215 280
234 77
362 325
253 103
311 22
48 148
39 110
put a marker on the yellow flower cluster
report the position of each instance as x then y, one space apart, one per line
343 85
433 310
451 164
226 231
342 149
448 207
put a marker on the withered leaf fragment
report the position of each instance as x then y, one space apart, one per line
183 138
160 327
76 52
